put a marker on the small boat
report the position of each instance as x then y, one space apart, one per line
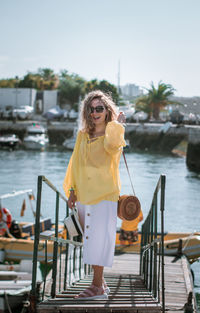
9 141
181 149
15 285
189 246
19 245
17 249
69 143
36 138
175 244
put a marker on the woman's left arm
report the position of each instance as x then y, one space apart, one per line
114 135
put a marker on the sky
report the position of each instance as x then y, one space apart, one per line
153 40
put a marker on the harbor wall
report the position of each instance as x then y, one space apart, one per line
57 132
143 137
154 138
193 150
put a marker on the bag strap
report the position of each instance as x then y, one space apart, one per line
128 172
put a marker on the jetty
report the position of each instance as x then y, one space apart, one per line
139 282
128 293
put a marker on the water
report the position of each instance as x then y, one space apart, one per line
20 169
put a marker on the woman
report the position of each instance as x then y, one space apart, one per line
92 183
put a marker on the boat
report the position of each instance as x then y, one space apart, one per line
69 143
36 138
9 141
175 244
20 244
189 246
181 149
15 285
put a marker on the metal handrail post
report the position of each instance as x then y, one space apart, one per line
55 250
141 250
66 253
155 274
147 254
37 235
162 207
151 250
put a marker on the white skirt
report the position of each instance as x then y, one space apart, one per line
99 222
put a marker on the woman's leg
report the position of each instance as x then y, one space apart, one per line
98 275
96 290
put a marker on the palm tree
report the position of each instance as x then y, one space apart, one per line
156 99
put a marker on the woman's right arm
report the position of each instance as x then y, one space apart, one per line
72 199
69 184
114 137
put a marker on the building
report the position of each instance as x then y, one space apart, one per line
50 99
16 97
41 101
131 90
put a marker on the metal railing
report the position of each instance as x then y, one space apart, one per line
68 252
152 245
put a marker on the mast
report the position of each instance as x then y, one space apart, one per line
118 79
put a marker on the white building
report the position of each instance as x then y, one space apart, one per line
131 90
16 97
50 99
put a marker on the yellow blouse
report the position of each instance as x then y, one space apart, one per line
93 169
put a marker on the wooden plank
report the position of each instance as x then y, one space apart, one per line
127 292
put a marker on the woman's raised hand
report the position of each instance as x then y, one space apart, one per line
72 200
121 117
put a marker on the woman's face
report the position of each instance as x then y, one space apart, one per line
98 112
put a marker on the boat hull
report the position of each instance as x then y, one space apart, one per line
32 145
22 249
190 245
13 300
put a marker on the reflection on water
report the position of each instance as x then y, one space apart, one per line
20 169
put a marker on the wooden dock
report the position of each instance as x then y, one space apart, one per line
128 293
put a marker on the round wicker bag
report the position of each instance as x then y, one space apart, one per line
128 207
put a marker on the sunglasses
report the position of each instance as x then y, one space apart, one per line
98 109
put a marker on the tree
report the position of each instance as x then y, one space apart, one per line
71 88
143 104
156 99
43 79
104 86
8 83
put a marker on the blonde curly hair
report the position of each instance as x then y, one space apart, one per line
86 123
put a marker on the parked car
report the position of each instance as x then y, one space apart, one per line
128 111
23 112
73 115
7 112
176 117
55 113
140 116
191 118
1 113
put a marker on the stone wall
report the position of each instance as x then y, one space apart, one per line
193 150
152 137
